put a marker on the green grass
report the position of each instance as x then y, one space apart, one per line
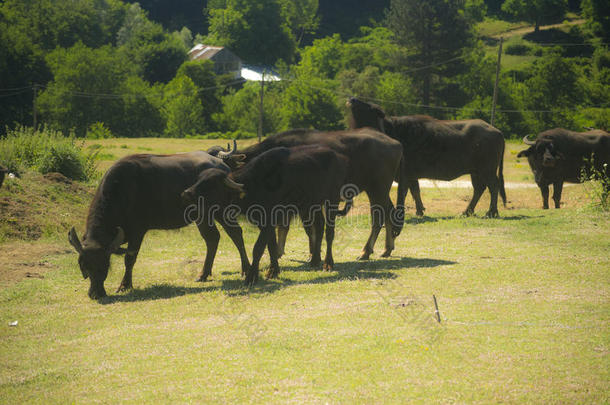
523 301
491 27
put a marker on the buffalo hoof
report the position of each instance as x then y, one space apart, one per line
386 253
328 266
492 214
96 295
202 278
273 272
251 278
123 288
364 256
315 263
468 213
419 213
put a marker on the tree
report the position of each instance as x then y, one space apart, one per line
552 93
85 89
156 54
311 103
256 31
536 11
434 31
597 13
30 29
301 17
242 109
324 59
175 14
208 90
345 17
182 109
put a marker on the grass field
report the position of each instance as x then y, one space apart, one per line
523 301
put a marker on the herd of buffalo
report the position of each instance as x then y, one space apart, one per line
307 173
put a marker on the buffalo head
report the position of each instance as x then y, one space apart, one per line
363 114
233 159
94 259
215 187
542 152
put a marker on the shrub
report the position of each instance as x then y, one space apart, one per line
46 151
98 131
597 184
518 48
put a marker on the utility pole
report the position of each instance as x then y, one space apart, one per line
260 117
495 98
34 108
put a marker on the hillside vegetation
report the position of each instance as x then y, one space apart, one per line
128 75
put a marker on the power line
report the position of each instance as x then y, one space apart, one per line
111 96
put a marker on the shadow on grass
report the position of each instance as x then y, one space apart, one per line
426 219
381 269
355 270
155 292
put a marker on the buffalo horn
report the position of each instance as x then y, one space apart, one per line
527 141
232 184
226 155
74 241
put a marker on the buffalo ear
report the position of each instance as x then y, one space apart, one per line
524 153
74 241
119 239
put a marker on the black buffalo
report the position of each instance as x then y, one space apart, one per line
373 159
442 150
281 182
559 155
139 193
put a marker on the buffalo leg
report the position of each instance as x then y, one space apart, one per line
390 234
376 222
235 233
331 215
133 247
557 187
492 186
210 234
544 190
274 268
415 193
479 188
282 234
401 193
316 242
257 252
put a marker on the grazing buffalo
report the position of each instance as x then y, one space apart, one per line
373 158
441 150
280 182
559 155
139 193
3 171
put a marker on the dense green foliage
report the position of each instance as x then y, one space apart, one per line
46 151
104 68
433 31
536 11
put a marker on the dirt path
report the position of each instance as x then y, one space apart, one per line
528 29
426 183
